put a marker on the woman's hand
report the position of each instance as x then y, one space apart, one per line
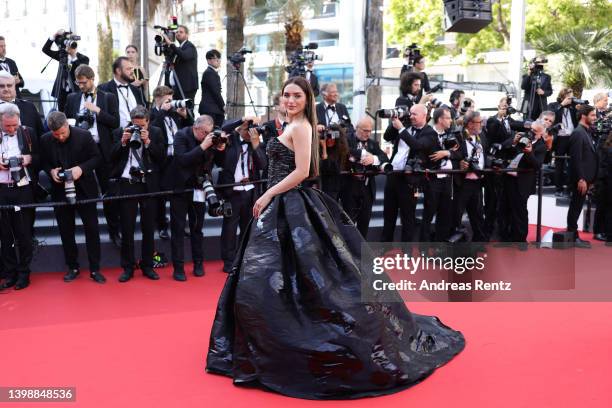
261 204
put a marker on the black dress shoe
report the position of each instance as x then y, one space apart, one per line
22 284
71 275
150 273
97 277
198 269
126 275
9 283
179 275
163 234
581 243
600 237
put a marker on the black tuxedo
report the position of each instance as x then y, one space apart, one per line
106 121
363 188
30 117
242 201
539 101
152 157
314 83
79 150
61 82
561 143
212 102
13 70
323 114
189 162
111 87
16 226
186 69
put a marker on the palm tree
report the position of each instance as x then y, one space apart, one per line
587 56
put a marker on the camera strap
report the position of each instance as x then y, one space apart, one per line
138 158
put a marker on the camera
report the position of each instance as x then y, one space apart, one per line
136 174
494 150
260 129
161 48
510 110
576 101
136 140
537 64
67 39
467 104
524 141
238 58
603 126
300 58
449 140
15 165
181 103
85 120
414 165
436 103
331 132
473 163
411 53
554 130
65 177
218 137
401 112
216 207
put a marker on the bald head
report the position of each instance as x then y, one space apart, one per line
418 115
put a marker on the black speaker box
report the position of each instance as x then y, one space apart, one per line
563 239
467 16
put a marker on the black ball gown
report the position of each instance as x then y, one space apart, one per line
290 318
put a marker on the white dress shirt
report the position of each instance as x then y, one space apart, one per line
127 102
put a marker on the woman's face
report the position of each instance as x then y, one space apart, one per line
131 53
294 99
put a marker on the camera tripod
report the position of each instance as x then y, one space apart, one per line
237 75
63 74
536 82
169 71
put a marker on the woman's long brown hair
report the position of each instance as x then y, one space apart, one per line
311 115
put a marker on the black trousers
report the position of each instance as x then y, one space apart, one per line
360 208
128 210
601 202
607 205
182 205
65 216
514 210
242 212
493 194
111 208
161 221
575 208
469 197
399 196
438 202
561 149
16 232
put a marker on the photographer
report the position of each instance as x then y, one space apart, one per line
212 103
96 111
312 78
330 110
419 68
170 119
584 163
600 102
469 193
194 152
537 87
185 61
435 149
18 156
10 66
69 60
530 151
334 158
456 101
365 155
401 190
566 115
276 126
245 159
500 136
410 89
126 94
138 155
69 156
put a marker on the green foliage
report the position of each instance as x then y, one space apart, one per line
105 51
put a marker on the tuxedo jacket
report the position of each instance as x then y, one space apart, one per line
29 144
81 60
257 161
425 143
157 119
29 116
12 65
106 121
527 180
341 111
111 87
559 111
497 133
189 160
78 150
186 68
584 160
314 84
153 157
372 147
540 102
212 101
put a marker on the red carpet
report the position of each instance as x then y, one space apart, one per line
142 344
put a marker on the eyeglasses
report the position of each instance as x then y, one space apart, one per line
80 82
6 86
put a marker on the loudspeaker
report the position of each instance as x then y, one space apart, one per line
563 239
467 16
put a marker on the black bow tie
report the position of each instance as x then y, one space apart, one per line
88 94
332 107
244 142
123 86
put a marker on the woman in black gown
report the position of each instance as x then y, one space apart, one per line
290 317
